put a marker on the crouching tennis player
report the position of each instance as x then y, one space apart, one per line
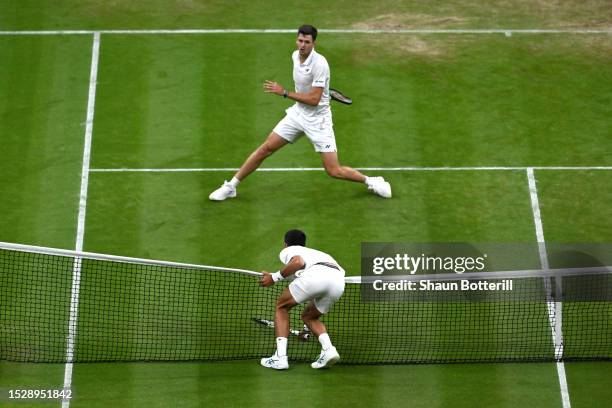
320 280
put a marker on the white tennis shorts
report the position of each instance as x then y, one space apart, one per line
319 283
318 129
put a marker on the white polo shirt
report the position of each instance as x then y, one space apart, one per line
314 72
309 255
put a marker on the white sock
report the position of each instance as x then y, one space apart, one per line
234 182
281 346
325 341
368 181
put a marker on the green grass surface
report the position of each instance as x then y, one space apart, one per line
588 384
191 385
30 14
196 101
132 214
196 384
42 110
572 205
436 101
19 376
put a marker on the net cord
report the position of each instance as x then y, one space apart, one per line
527 273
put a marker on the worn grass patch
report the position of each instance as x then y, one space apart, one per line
408 20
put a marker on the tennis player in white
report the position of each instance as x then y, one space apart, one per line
310 115
320 281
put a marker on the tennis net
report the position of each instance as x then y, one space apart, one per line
58 306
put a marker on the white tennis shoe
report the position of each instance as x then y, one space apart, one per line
276 362
379 186
223 192
327 358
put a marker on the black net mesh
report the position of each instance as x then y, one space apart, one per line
140 312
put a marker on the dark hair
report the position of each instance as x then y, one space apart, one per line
295 237
307 29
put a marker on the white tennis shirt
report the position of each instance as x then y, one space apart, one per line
309 255
314 72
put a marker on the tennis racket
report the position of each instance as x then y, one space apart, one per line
336 95
303 335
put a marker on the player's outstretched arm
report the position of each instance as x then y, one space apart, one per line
310 98
295 264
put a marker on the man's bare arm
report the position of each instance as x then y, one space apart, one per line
311 98
295 264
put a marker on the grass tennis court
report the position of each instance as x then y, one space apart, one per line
194 101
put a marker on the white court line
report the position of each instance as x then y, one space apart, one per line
537 218
293 169
504 31
554 308
76 270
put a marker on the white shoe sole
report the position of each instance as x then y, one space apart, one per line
384 193
387 192
275 368
212 198
328 364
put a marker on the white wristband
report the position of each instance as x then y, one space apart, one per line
276 276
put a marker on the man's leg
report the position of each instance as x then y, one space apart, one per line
228 190
334 169
281 318
329 355
273 143
310 317
279 359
